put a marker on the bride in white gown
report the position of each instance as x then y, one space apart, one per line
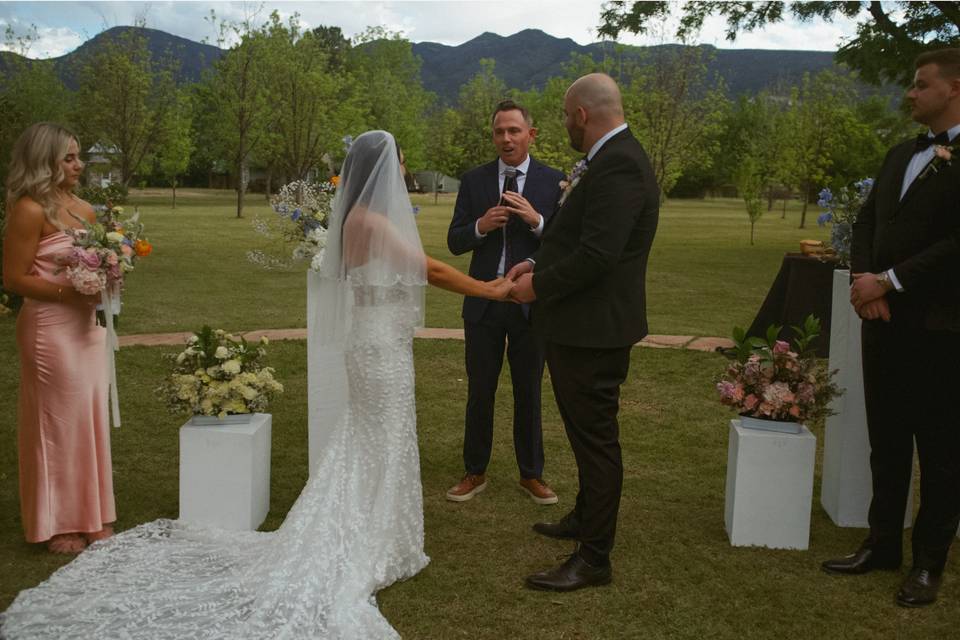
357 526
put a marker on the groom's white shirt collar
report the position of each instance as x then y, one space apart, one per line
599 143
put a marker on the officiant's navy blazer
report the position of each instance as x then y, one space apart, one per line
480 190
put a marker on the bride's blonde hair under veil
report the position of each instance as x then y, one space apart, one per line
373 256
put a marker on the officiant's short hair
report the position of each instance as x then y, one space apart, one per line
947 59
510 105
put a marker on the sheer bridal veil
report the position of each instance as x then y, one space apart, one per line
373 257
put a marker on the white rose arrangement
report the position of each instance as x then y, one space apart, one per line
218 374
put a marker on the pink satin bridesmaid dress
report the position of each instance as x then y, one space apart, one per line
66 483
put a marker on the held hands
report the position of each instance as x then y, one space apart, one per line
875 309
522 276
867 289
500 288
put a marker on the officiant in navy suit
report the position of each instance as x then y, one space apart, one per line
501 210
906 269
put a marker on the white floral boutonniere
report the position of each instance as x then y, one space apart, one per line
942 155
572 179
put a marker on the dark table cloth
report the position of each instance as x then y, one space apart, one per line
803 286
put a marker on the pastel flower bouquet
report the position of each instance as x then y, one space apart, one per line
302 209
104 251
841 212
218 374
774 380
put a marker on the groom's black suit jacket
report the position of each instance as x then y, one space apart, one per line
480 190
918 237
591 268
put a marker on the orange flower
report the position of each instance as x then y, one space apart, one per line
142 247
335 180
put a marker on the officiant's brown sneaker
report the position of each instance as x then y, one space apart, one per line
471 485
538 491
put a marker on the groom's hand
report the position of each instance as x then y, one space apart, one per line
523 289
519 269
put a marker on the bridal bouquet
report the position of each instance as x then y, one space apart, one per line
218 374
104 251
841 211
774 380
301 209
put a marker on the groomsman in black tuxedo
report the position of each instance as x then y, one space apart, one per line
588 280
501 210
906 287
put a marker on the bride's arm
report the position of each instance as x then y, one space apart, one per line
442 275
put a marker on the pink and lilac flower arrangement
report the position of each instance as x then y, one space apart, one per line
104 251
774 380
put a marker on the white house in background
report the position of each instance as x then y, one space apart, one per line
101 170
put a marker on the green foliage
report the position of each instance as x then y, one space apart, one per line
390 90
675 109
176 144
124 97
478 97
114 193
889 34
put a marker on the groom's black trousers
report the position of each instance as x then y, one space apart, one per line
586 383
911 377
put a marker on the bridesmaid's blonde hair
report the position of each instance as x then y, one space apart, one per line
35 169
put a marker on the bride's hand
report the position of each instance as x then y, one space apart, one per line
499 289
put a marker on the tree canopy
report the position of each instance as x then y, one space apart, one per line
889 34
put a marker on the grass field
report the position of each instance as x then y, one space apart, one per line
676 575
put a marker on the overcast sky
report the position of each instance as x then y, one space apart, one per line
63 26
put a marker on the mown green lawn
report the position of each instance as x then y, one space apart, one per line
676 575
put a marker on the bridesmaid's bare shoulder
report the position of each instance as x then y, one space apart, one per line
26 211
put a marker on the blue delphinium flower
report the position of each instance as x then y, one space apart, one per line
296 215
416 210
824 218
826 197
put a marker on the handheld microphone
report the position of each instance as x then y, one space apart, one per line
509 181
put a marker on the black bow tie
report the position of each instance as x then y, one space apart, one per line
925 142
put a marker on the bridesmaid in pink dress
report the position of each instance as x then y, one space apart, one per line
66 484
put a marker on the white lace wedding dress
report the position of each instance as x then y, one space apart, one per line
356 528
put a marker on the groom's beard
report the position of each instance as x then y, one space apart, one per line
576 138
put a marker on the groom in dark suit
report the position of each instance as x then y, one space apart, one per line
588 280
906 270
501 210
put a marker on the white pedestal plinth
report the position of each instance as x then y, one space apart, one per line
769 487
847 488
225 473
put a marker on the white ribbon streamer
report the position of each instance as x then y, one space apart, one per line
111 305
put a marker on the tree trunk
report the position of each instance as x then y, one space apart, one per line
803 211
752 225
784 209
269 186
241 187
174 183
436 186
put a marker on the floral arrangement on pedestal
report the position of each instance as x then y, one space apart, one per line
4 301
774 380
218 374
841 211
302 209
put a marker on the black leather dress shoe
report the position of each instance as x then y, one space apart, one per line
919 589
573 574
864 560
565 529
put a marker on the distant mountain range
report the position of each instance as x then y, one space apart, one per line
524 60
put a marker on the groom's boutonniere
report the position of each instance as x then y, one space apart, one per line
942 155
572 179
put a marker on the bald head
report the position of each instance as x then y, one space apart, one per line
592 106
598 95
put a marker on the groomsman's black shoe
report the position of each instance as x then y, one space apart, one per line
565 529
573 574
864 560
919 589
